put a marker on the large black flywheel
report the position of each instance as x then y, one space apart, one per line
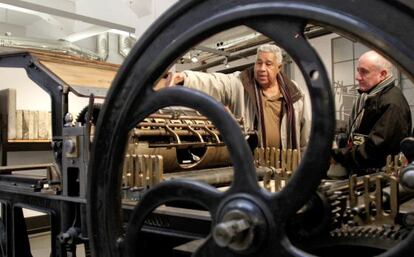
384 25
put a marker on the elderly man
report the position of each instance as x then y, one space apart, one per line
380 117
268 102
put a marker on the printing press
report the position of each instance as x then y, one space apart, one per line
170 173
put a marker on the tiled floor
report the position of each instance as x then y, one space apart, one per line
40 245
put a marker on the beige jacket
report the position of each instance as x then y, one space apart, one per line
229 90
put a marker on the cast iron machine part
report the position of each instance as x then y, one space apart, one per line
259 214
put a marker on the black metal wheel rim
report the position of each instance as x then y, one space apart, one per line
186 23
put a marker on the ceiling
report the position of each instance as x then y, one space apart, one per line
30 14
24 13
17 18
61 19
65 21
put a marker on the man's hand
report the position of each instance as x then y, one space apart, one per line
171 80
175 79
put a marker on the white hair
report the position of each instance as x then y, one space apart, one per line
379 60
270 48
385 64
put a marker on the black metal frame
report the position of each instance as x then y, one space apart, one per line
66 212
48 82
166 224
55 87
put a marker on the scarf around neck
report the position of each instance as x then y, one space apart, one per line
359 105
290 95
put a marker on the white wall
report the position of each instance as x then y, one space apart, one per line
158 7
29 96
87 43
322 45
114 11
114 56
52 27
15 30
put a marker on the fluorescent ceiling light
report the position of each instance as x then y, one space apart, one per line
120 32
90 32
47 13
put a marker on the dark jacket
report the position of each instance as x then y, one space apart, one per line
385 122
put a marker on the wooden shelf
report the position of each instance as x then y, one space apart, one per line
29 141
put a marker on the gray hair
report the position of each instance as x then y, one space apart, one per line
270 48
380 61
385 64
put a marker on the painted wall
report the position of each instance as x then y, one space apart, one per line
29 96
322 45
17 31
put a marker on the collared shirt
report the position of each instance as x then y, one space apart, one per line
272 109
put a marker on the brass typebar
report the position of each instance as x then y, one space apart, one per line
184 138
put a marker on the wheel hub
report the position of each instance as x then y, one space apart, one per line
241 226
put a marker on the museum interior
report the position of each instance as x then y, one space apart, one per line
206 128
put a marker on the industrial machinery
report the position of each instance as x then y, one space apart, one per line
144 178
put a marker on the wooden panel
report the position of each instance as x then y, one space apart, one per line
79 75
70 59
29 141
72 70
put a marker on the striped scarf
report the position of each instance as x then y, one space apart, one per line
359 105
290 112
